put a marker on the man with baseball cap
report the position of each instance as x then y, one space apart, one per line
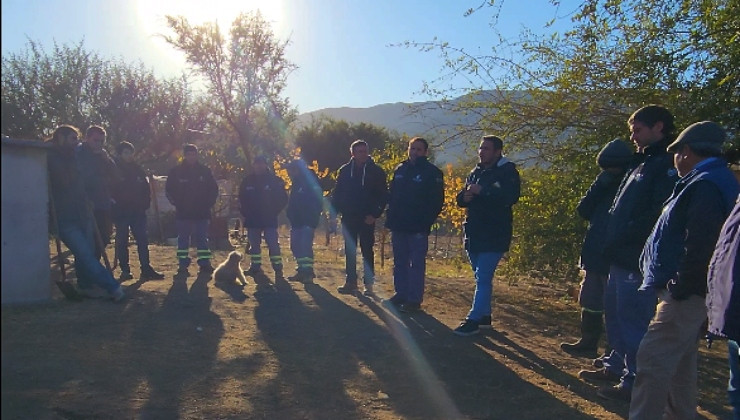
674 264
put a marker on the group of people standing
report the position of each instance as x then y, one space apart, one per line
89 193
655 218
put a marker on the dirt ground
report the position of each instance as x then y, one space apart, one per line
191 349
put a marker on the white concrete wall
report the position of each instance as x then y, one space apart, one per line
25 239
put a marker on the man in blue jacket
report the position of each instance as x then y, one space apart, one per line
305 204
490 191
262 197
193 191
674 265
415 200
636 207
360 196
723 299
613 159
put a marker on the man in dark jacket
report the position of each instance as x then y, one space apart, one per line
490 191
723 299
304 211
360 196
415 200
74 222
131 199
674 265
636 207
99 173
193 191
262 197
594 207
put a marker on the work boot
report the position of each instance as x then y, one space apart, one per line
588 344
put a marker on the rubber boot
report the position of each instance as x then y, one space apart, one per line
591 328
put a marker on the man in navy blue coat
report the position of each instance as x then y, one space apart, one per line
415 200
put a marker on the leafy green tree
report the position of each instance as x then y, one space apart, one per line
245 76
557 98
327 141
72 85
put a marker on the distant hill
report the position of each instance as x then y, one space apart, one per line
427 119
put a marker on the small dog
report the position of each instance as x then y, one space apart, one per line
230 271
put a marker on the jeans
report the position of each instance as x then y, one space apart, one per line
78 237
484 266
254 236
733 387
301 245
409 265
354 230
634 310
137 223
105 227
615 361
198 231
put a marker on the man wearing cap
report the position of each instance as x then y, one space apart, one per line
262 197
613 159
674 264
636 207
193 191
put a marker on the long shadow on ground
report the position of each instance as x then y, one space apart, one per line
401 365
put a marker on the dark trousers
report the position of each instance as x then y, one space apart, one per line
104 223
409 265
354 230
136 223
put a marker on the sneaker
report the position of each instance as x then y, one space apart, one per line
368 290
347 289
125 275
485 322
617 393
409 307
148 273
118 294
467 327
602 374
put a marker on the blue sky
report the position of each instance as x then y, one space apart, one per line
340 46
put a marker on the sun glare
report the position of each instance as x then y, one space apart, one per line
152 22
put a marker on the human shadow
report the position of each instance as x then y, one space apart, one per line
479 385
194 332
331 350
500 342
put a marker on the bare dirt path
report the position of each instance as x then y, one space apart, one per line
188 348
